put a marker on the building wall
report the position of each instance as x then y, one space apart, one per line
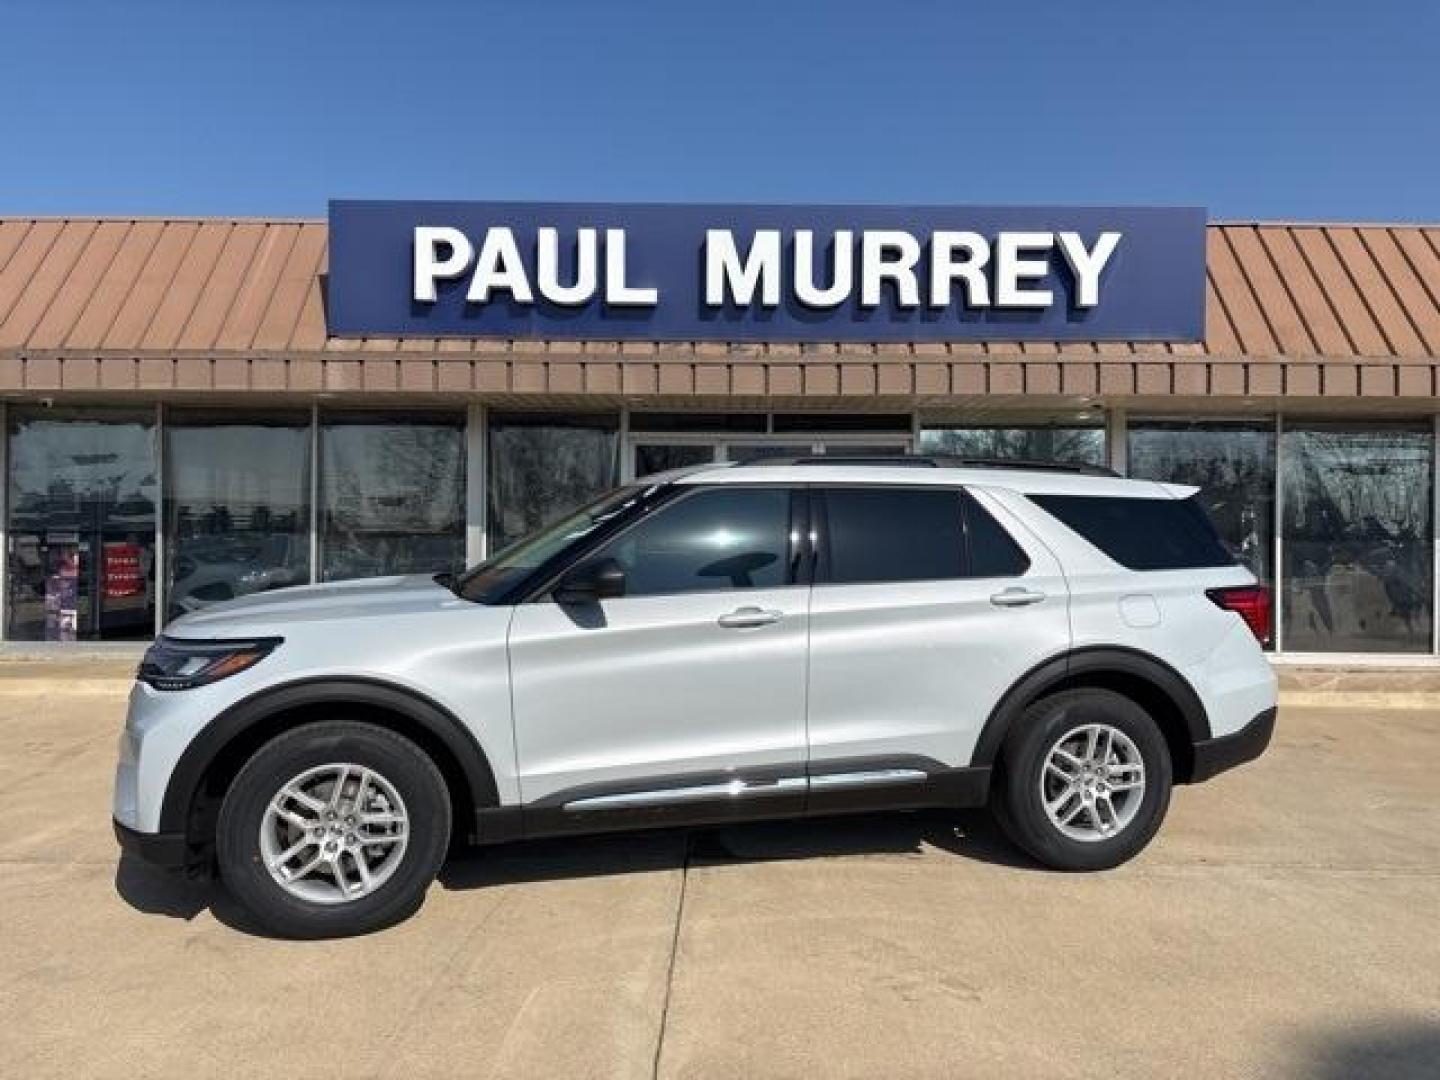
197 505
1307 413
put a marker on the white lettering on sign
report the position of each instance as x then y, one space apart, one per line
499 266
1087 264
842 269
430 267
547 268
1007 272
617 291
959 256
888 255
1011 269
726 273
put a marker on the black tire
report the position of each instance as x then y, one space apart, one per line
403 764
1017 800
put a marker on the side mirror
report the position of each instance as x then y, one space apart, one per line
600 579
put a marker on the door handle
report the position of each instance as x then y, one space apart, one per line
746 617
1016 596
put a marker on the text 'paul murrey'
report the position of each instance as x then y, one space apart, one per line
1005 272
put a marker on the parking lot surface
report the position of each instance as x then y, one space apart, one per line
1283 924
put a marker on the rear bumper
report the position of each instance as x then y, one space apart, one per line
1214 756
166 850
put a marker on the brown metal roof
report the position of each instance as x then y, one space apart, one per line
1331 309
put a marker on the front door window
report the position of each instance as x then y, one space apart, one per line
718 539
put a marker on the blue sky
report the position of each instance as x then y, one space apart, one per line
1255 109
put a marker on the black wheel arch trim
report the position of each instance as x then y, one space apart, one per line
1050 673
457 739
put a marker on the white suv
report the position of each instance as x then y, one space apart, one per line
726 643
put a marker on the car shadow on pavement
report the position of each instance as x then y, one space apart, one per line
154 891
1391 1049
969 834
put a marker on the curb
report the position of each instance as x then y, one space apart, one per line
1413 700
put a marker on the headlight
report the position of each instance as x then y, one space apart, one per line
172 664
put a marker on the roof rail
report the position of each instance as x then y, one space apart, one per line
941 461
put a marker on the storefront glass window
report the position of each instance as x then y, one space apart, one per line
542 466
1073 445
81 529
659 457
1358 530
1233 465
392 494
237 505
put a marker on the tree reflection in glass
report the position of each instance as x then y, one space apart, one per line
1071 445
544 465
1358 535
392 494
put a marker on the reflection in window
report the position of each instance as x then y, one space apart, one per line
392 495
1232 464
1357 574
237 506
81 552
839 449
716 539
743 452
653 458
1071 445
542 466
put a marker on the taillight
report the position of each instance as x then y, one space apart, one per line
1250 602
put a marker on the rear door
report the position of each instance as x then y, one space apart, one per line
928 604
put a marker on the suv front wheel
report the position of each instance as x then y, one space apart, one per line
332 829
1085 780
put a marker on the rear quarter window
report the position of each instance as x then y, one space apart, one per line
1142 534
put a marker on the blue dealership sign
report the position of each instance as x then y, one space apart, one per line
659 272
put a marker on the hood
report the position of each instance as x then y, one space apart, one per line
261 614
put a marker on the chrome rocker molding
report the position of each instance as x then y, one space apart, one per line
833 787
734 789
742 788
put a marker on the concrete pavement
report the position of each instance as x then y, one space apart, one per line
1283 924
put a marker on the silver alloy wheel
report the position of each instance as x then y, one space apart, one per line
1092 782
334 833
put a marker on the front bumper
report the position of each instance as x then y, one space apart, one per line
1214 756
166 850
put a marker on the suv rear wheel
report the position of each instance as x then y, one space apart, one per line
1085 781
333 829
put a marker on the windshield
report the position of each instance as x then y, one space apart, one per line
485 583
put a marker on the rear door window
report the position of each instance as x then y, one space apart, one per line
1142 534
880 534
890 534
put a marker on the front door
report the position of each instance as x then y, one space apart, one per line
687 693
